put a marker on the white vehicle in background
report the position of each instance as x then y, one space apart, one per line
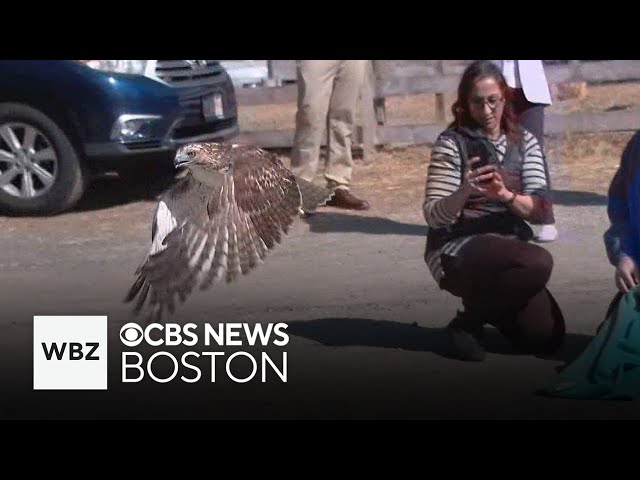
247 73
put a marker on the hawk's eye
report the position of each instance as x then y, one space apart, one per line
191 154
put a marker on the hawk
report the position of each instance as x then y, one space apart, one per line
228 208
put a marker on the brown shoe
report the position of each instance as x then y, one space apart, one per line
343 199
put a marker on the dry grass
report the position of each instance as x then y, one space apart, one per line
267 117
394 183
585 162
601 98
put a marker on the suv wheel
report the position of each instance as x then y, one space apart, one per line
40 170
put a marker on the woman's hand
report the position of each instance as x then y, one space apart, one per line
486 181
471 177
626 274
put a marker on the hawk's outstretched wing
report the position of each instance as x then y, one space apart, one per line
207 232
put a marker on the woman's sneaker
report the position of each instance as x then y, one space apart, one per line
546 233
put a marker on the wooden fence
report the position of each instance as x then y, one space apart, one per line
387 78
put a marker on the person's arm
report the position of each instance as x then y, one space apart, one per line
618 238
443 199
618 233
534 178
618 218
520 204
448 188
525 204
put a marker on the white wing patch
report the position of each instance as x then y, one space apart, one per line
165 224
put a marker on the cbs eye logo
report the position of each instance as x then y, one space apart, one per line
131 334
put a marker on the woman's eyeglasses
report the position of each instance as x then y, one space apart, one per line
493 101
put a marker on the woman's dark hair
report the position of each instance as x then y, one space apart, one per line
462 117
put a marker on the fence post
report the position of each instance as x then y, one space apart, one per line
368 115
440 114
379 104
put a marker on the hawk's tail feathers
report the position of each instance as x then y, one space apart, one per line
140 292
313 196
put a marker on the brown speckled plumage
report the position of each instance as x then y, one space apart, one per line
217 222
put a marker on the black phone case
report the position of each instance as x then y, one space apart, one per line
479 149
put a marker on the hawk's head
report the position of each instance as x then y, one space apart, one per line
212 155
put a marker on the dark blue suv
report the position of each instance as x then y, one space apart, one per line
64 121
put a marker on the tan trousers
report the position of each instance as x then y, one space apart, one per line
328 92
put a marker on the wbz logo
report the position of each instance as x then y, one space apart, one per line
75 351
70 353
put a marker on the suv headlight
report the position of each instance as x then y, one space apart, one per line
135 128
136 67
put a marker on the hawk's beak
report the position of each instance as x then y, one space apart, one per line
181 161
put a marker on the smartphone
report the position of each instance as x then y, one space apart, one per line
477 148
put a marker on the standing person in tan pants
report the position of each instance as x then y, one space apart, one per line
328 92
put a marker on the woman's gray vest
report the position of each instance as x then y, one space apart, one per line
471 221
